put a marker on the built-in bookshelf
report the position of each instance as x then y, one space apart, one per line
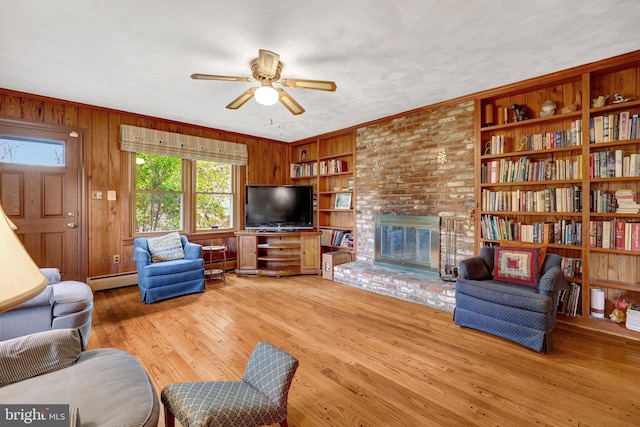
328 163
567 178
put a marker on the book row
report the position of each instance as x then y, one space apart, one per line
540 141
614 127
333 166
558 139
569 300
299 170
326 167
613 164
571 267
527 170
562 232
559 199
331 237
615 234
622 201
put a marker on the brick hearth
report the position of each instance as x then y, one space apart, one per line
427 290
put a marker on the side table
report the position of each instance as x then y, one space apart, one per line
211 249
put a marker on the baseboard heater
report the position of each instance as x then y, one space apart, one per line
111 281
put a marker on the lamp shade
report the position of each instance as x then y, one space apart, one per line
266 95
21 278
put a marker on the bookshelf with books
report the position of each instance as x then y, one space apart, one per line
567 179
303 170
334 186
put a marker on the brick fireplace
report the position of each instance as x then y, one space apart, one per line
416 164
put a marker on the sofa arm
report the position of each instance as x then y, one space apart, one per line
52 274
141 255
474 268
44 298
192 250
552 281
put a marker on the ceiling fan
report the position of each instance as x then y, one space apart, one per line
266 69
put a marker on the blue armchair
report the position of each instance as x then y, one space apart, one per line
163 277
510 294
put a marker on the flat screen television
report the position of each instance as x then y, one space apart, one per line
278 207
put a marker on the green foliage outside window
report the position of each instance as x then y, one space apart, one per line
159 194
214 196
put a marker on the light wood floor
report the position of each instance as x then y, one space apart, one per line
371 360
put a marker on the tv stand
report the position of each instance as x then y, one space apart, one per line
278 253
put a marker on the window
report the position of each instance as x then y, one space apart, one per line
174 194
214 195
158 195
31 151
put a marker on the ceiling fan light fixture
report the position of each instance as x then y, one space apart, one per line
266 95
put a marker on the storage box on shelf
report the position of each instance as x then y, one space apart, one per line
334 185
567 178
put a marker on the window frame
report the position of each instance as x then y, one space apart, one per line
188 211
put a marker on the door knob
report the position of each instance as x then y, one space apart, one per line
72 225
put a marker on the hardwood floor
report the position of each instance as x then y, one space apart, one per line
371 360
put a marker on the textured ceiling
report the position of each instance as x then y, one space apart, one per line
386 57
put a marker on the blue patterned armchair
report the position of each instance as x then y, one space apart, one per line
168 266
259 399
508 292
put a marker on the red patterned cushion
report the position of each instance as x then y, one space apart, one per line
517 265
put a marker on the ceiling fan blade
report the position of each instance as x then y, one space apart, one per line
242 99
309 84
223 78
268 62
290 103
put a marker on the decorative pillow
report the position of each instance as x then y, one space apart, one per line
37 354
519 244
166 248
517 265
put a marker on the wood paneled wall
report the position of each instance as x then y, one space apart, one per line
107 168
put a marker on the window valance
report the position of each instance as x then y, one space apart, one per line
153 141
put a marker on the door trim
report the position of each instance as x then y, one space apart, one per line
83 242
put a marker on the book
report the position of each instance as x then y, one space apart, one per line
635 237
598 126
593 243
618 156
347 240
634 164
624 126
619 234
606 235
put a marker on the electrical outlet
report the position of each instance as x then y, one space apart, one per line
116 259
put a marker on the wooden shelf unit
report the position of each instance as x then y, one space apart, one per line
278 253
616 271
334 164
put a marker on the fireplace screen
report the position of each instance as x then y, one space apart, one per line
408 242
